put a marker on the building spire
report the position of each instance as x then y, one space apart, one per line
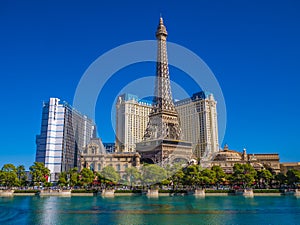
162 105
163 132
163 100
161 32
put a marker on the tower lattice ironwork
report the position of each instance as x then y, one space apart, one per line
163 120
162 140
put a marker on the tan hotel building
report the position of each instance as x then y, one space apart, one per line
198 120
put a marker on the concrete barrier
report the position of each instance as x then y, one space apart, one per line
152 193
55 193
199 192
108 192
6 193
248 193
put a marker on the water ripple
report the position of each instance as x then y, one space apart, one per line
10 214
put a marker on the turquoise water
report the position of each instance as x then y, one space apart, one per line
143 210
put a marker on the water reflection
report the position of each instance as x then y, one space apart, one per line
143 210
49 210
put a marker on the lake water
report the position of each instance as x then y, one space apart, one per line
144 210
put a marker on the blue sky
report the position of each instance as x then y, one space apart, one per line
252 47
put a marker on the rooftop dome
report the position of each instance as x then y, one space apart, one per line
228 155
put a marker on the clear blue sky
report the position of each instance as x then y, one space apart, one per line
252 47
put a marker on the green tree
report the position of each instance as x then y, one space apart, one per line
86 177
73 176
243 174
281 179
39 173
220 176
264 177
111 174
203 181
174 175
48 184
102 179
293 177
177 178
133 175
207 176
21 174
172 169
8 176
152 174
192 175
62 179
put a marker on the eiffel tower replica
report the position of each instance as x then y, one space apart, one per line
162 139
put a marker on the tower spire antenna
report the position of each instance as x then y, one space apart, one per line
161 21
161 32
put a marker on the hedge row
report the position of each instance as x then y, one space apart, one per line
83 191
172 191
219 191
159 191
129 191
266 191
26 191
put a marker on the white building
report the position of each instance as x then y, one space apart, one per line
131 121
64 134
198 118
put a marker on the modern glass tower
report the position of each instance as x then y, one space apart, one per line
64 134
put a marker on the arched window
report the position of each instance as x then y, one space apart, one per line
118 167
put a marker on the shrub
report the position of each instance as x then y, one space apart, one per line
83 191
26 191
219 191
172 191
129 191
266 191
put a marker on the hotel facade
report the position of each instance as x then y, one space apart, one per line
64 134
227 158
199 123
198 120
132 116
95 158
